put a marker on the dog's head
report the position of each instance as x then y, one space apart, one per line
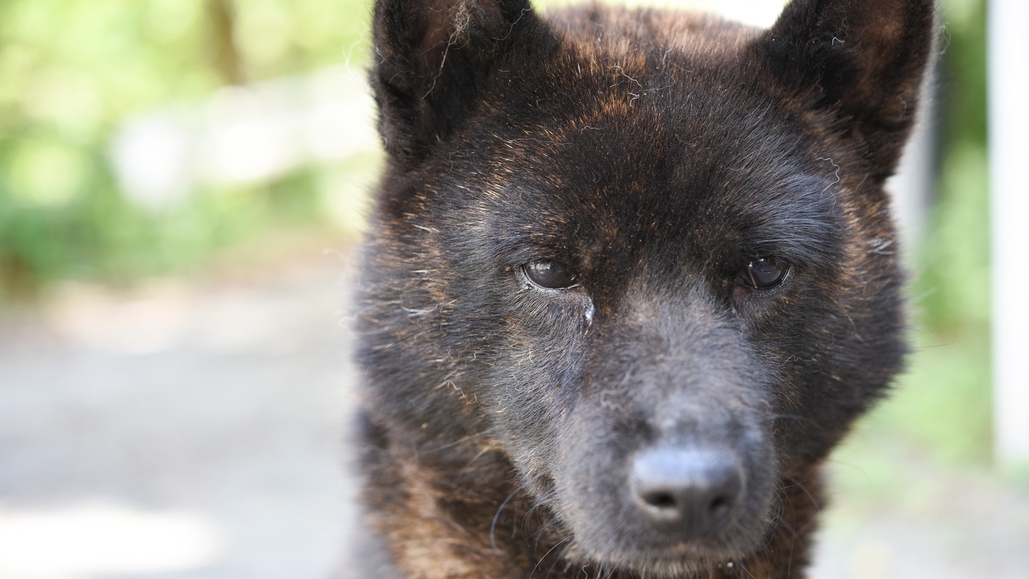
646 255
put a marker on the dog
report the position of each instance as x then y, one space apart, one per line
630 276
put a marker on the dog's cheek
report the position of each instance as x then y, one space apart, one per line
824 370
591 473
537 371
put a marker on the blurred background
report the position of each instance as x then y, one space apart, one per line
182 185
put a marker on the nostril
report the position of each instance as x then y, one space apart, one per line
660 500
719 507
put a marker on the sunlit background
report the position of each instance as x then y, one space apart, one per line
182 185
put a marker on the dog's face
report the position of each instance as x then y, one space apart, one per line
646 257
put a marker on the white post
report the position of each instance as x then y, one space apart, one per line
911 188
1008 69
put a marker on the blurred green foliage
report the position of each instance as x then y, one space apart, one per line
72 71
942 407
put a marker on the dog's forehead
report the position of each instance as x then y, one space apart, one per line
631 103
655 150
628 178
639 134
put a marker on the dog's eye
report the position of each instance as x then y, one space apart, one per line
764 272
549 274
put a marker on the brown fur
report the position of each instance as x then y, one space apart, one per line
441 529
657 160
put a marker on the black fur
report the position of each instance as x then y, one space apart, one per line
654 156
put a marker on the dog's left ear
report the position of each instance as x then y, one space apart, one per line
862 59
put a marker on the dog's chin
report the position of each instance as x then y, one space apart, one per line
642 559
614 543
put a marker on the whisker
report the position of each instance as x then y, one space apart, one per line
789 525
556 545
787 417
484 450
800 484
451 444
401 340
496 517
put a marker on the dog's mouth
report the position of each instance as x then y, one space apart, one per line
663 554
673 509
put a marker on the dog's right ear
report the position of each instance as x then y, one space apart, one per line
433 58
863 60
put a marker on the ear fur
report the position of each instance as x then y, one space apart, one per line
862 59
433 56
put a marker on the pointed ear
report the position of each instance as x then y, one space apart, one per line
433 58
862 59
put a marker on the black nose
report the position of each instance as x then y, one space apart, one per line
687 491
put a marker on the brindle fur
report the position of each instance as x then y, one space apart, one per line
654 153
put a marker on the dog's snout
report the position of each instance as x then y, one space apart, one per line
687 491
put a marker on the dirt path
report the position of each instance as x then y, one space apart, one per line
222 403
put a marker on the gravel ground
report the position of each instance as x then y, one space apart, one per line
195 429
